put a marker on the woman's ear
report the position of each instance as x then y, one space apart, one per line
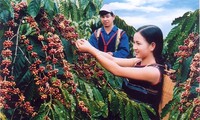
152 46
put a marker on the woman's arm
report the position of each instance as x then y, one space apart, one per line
150 74
125 62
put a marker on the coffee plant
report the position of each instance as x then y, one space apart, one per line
186 102
185 70
43 76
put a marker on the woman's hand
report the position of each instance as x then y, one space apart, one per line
110 53
83 45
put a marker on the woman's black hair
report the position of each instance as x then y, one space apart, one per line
154 34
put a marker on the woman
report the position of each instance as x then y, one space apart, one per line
144 73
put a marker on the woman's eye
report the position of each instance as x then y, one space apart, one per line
137 43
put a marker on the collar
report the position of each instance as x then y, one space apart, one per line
114 29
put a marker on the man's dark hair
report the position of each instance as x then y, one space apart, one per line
102 13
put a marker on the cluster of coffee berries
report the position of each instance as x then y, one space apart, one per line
32 23
185 51
186 99
45 71
188 96
64 27
66 69
88 68
195 67
7 91
84 69
45 23
71 86
11 23
82 106
189 44
47 75
10 94
196 113
18 9
9 34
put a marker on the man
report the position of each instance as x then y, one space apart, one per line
109 38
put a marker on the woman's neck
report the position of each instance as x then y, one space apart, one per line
148 61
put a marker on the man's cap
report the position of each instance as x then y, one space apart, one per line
105 10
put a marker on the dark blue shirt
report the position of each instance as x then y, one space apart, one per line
110 41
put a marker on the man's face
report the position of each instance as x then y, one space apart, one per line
107 20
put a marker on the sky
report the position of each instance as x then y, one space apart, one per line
161 13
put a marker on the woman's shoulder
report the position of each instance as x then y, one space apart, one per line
160 67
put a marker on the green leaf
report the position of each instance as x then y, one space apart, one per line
104 109
2 30
134 110
168 107
177 64
70 99
130 30
21 70
174 114
83 4
90 10
25 29
89 91
50 7
180 19
74 12
190 23
121 108
185 69
128 111
6 11
65 94
73 106
148 108
143 112
30 90
34 8
68 50
100 109
186 115
60 110
97 94
4 16
64 8
42 112
177 91
114 103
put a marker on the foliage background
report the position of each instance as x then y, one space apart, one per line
77 87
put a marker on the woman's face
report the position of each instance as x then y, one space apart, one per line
107 20
141 47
